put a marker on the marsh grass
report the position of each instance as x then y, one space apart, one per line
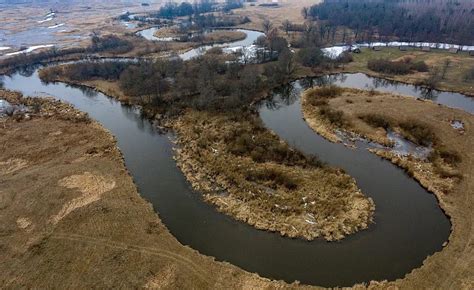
376 120
418 132
268 183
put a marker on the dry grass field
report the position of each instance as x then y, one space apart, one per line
453 267
453 81
71 216
287 10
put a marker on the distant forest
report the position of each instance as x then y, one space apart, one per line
450 21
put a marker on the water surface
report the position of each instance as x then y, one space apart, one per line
409 225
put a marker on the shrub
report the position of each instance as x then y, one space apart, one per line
111 43
376 120
389 67
275 177
335 117
449 156
310 56
420 66
330 91
469 75
345 57
418 132
402 67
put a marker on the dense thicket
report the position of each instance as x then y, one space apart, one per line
396 67
409 20
208 82
171 9
111 43
86 71
108 43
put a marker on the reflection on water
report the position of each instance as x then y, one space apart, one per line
362 81
409 223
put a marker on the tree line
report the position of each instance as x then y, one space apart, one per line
172 9
409 20
107 43
209 82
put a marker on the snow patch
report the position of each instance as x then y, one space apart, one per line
56 26
30 49
45 20
334 51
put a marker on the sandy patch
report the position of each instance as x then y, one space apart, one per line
12 165
23 223
55 133
92 187
163 279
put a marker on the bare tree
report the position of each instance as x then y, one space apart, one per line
286 26
267 26
444 70
305 12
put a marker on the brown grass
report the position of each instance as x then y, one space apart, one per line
455 77
268 185
448 174
118 233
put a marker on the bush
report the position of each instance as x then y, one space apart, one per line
310 56
85 71
420 66
396 67
449 156
330 91
418 132
345 57
335 117
376 120
469 75
275 177
389 67
111 43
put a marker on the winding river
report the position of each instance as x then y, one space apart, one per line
409 224
250 38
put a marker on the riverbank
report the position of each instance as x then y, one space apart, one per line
447 173
86 211
456 67
213 37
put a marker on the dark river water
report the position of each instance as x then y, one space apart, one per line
409 224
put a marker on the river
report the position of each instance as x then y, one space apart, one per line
409 224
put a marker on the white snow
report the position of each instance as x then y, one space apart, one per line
45 20
56 26
165 38
4 48
334 51
30 49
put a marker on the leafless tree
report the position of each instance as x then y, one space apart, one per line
267 26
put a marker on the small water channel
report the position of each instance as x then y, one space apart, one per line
250 38
409 225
